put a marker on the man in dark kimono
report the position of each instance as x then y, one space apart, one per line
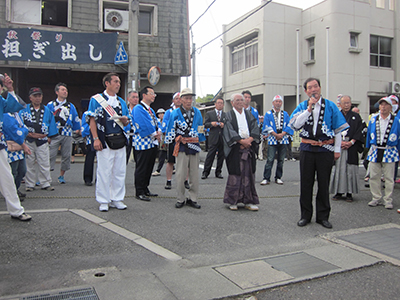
241 135
344 177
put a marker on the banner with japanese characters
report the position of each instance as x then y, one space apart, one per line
25 44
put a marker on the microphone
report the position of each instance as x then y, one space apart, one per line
313 105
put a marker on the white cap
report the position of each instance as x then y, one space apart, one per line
386 99
277 97
393 97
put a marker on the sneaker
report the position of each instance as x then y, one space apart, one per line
29 189
278 181
48 188
37 183
398 210
264 182
118 205
187 185
23 217
103 207
233 207
61 180
397 180
155 173
293 159
389 206
251 207
374 203
168 185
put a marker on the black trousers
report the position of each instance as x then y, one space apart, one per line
145 160
161 159
89 164
211 155
312 163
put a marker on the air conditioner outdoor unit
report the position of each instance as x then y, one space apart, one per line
115 19
394 87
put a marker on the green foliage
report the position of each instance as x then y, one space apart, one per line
205 99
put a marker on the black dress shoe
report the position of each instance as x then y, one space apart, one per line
150 194
192 203
187 186
302 222
88 183
21 195
204 176
143 197
219 176
168 185
179 204
325 223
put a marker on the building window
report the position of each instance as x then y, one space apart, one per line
245 55
311 48
353 39
380 3
40 12
148 15
380 51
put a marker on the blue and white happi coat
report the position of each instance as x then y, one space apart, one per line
103 123
14 130
177 126
332 123
391 153
254 112
9 105
85 128
47 125
269 125
145 125
66 117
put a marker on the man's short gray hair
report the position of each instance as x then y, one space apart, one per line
345 96
233 96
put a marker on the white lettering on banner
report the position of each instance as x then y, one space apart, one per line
11 49
68 52
92 57
39 49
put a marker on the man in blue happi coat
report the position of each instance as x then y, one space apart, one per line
320 122
7 187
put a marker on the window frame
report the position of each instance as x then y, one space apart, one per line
380 55
9 15
244 55
380 4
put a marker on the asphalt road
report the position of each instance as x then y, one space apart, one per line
57 246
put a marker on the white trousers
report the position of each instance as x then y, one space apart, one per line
111 171
41 156
376 170
7 186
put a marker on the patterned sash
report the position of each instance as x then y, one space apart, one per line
109 109
279 125
310 121
381 142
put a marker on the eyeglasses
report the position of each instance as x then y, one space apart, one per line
152 94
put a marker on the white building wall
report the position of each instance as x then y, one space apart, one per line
349 71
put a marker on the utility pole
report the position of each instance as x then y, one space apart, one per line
194 71
133 40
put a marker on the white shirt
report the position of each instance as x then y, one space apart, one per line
383 124
218 112
242 124
278 125
302 118
112 100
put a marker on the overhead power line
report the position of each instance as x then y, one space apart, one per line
262 6
202 14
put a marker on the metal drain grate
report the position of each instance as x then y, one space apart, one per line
78 294
300 264
385 241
